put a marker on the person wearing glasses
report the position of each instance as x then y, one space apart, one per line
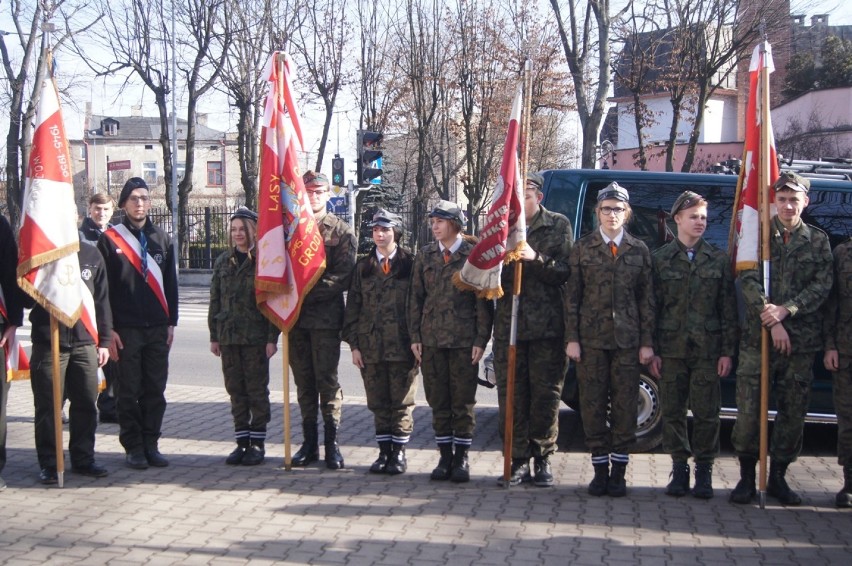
315 339
143 296
609 327
696 339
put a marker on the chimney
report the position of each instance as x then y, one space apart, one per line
819 20
201 119
136 111
798 20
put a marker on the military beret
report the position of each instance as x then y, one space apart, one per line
386 219
243 212
789 180
613 191
131 185
536 179
313 178
448 211
687 199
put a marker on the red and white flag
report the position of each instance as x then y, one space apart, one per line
746 238
48 268
290 251
17 362
505 226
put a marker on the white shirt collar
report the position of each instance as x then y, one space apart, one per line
456 245
617 239
390 257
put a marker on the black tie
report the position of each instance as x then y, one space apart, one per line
143 243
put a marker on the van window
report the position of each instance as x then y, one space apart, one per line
563 197
830 212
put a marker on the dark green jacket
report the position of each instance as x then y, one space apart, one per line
542 281
610 301
696 302
323 306
837 321
801 276
376 309
233 318
440 315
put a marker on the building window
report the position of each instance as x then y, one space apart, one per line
214 174
149 172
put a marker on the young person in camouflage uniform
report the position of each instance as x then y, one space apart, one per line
837 336
540 368
243 338
696 339
449 330
609 326
315 338
801 266
376 330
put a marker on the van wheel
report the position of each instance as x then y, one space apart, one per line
649 421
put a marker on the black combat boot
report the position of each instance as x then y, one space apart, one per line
445 463
397 464
746 489
600 481
679 485
543 473
703 481
844 496
461 467
333 458
617 487
777 485
235 458
255 454
308 453
381 463
520 472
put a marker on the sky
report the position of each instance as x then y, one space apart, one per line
105 100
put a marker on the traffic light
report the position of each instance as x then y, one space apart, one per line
369 152
338 179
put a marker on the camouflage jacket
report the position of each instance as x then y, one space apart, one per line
837 321
376 309
233 318
696 302
801 279
543 281
323 306
440 315
610 301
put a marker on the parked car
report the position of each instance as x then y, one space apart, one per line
573 193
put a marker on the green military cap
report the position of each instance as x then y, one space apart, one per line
536 179
687 199
613 191
792 181
448 211
313 178
243 212
386 219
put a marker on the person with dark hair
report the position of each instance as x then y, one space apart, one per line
696 340
101 207
801 277
449 330
375 328
314 344
82 350
143 291
540 366
11 317
243 338
609 330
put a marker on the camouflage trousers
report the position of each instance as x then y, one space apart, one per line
790 379
539 376
390 388
843 408
246 373
690 384
609 390
314 355
449 380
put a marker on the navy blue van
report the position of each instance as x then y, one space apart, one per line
573 193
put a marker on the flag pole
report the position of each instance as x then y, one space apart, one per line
285 354
765 256
512 356
57 401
